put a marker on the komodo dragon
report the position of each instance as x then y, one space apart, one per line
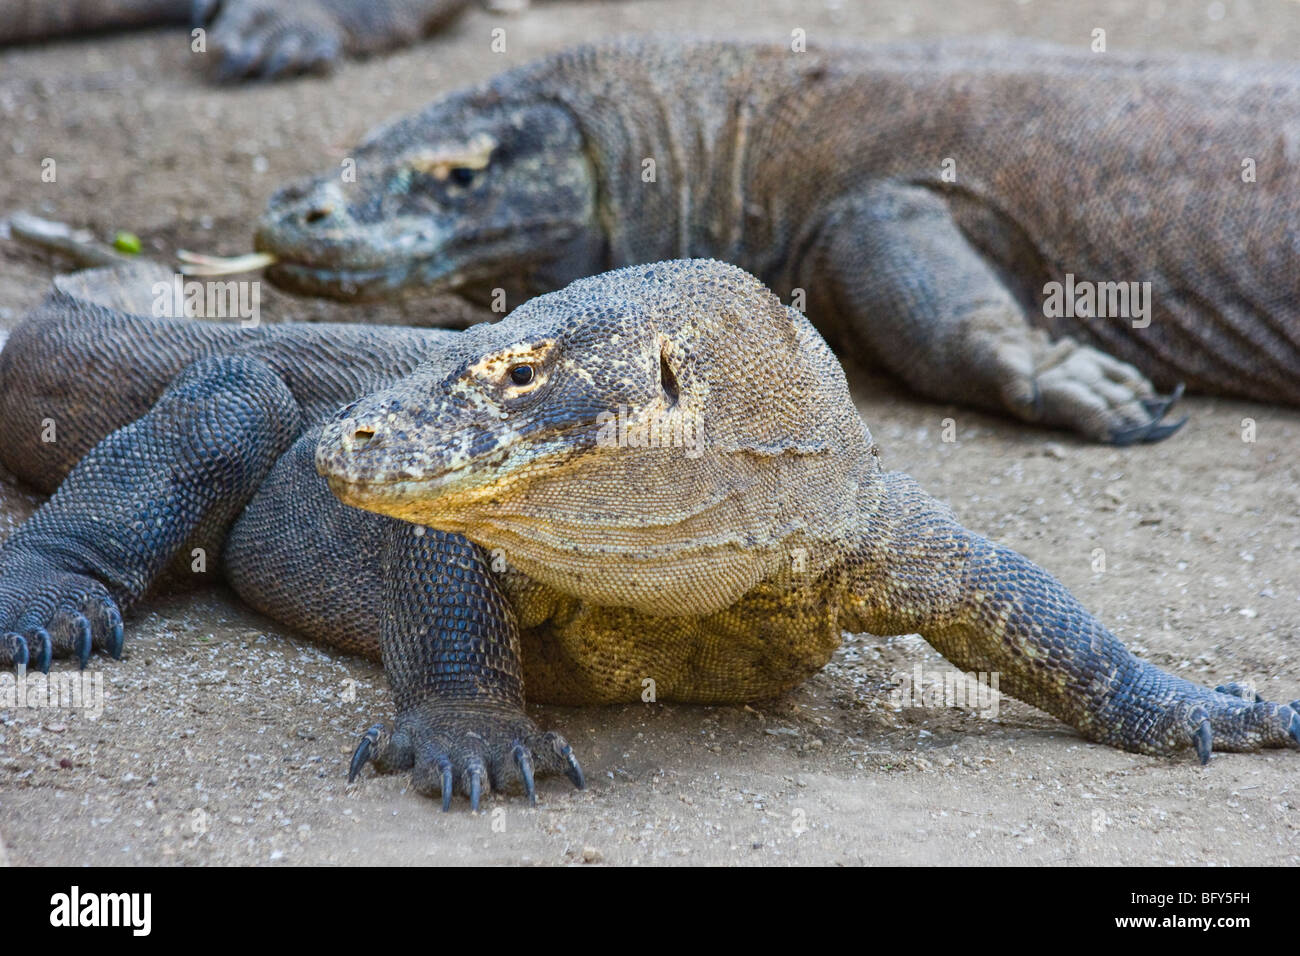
246 38
603 555
923 195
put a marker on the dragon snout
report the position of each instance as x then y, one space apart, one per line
303 210
362 436
346 449
357 437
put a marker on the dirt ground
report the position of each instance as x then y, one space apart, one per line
224 737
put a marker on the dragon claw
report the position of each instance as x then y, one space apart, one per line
1203 736
572 769
82 642
1157 406
524 761
1150 432
19 655
48 613
448 784
364 751
1229 719
475 788
1080 388
1161 431
116 636
477 751
45 655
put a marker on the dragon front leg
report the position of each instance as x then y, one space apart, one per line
987 608
178 475
450 646
892 271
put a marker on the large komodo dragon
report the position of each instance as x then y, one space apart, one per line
647 449
832 172
246 38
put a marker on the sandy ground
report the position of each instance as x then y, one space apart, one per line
224 738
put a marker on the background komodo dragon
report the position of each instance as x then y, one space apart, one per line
824 171
246 38
630 555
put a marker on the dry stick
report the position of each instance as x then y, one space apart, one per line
80 245
88 252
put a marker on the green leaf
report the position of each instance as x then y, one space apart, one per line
127 242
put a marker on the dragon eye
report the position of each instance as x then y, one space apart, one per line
522 374
462 175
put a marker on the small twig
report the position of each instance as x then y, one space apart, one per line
80 245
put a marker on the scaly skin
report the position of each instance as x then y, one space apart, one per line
539 550
247 39
825 172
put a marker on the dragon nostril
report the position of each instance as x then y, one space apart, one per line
361 437
290 193
317 214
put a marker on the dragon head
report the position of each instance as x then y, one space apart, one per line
474 188
671 424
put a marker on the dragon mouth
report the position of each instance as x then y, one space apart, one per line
400 491
456 261
372 495
433 495
360 282
437 500
341 283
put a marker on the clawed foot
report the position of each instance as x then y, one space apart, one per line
266 39
451 746
1077 387
46 613
1232 717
